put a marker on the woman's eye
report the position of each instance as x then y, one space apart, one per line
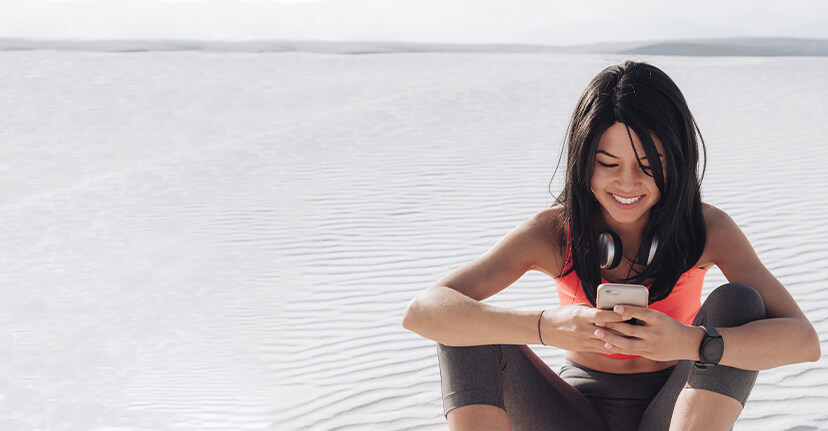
646 169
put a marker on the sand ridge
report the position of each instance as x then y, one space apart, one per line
199 241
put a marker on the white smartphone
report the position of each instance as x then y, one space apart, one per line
612 294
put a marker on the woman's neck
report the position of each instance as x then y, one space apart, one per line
630 233
631 230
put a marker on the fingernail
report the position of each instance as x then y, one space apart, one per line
619 309
607 346
600 324
599 333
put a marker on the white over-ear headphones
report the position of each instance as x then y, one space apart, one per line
609 245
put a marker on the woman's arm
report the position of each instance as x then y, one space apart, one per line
449 317
450 312
786 336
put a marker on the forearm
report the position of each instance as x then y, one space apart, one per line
449 317
764 344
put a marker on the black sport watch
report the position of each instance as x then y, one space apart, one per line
710 349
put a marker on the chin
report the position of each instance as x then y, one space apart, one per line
625 216
627 219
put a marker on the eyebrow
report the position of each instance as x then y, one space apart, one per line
615 157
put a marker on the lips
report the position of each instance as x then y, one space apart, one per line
621 202
624 200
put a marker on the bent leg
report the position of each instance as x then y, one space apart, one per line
694 407
715 388
516 380
478 417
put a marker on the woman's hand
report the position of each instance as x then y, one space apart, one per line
573 327
662 339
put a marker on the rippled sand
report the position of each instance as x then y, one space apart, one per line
203 241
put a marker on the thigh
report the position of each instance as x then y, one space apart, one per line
537 398
621 399
729 305
660 411
514 378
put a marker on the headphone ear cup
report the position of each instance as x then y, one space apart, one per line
648 253
653 248
609 245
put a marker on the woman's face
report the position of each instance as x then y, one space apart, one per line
626 193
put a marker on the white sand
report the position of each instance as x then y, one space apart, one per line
219 241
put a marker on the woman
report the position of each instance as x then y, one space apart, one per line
632 174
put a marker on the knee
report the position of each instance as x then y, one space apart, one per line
737 294
467 349
468 353
475 354
732 304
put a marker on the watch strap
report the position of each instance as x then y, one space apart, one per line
710 333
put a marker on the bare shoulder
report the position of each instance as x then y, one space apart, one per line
720 229
729 248
725 239
713 216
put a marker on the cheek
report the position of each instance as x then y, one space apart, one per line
651 185
600 179
594 181
654 191
597 184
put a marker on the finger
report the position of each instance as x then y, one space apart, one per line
625 329
641 313
612 331
596 345
620 344
609 348
605 316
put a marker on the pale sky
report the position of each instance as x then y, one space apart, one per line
549 22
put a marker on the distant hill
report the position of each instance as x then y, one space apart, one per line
735 47
761 47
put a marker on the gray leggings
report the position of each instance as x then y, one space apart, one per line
513 378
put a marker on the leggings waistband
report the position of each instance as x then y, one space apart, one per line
598 384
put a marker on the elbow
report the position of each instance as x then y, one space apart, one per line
816 349
412 317
420 317
811 351
425 316
408 319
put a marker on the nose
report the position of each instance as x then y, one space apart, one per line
629 178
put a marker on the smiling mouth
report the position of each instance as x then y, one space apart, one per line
626 201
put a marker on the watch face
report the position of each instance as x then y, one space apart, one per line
713 350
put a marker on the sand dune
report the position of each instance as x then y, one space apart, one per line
216 241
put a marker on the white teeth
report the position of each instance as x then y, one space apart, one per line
624 200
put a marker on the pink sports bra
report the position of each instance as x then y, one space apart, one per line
682 304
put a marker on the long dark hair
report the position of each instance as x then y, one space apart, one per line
646 100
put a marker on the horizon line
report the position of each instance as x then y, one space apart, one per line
762 46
